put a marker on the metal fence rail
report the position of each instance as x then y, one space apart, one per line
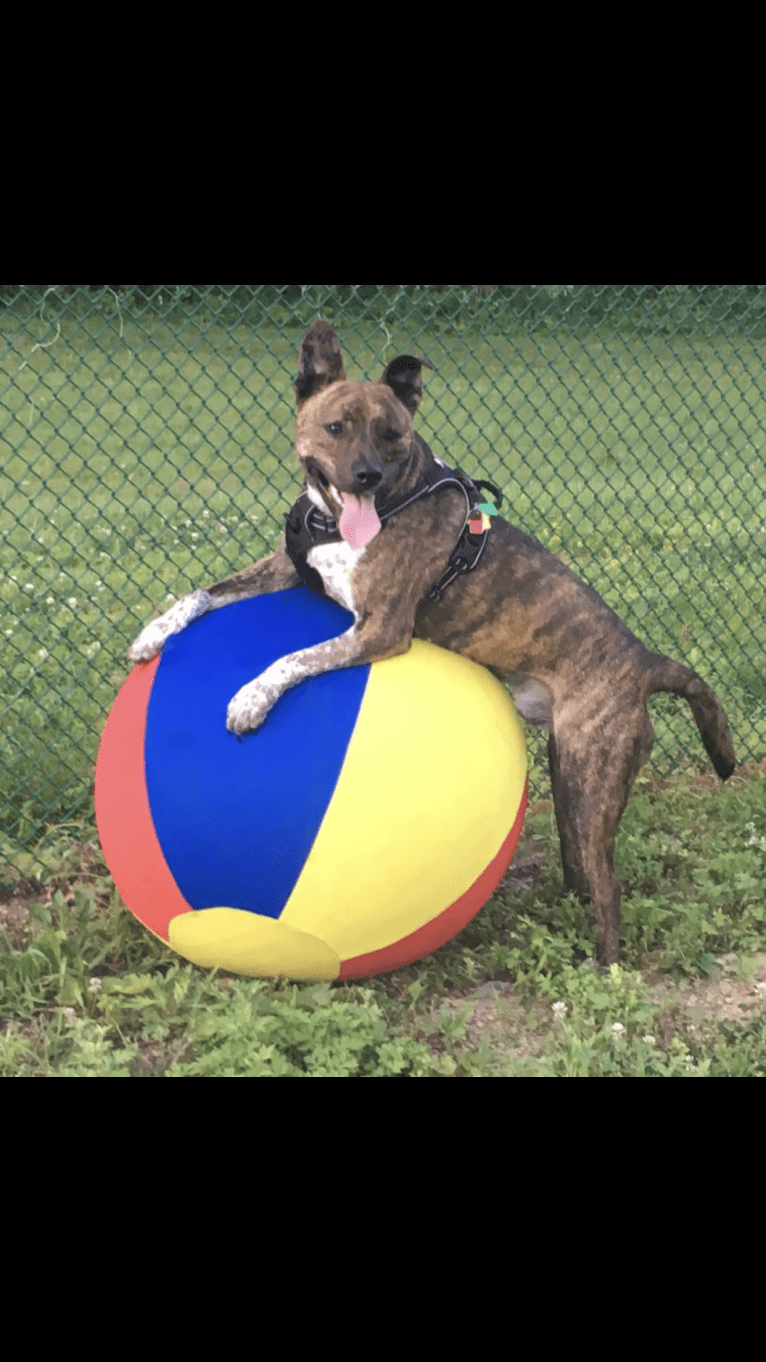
146 448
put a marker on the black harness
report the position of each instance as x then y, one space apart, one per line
307 527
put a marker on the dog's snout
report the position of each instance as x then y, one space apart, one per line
367 475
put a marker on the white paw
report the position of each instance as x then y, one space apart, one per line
149 642
249 707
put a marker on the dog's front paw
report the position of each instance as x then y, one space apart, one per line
149 642
249 707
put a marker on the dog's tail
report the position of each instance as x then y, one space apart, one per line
705 706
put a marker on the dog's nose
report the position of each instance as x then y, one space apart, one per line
367 475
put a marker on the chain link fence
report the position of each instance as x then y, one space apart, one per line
146 434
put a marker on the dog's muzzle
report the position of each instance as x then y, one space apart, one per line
367 475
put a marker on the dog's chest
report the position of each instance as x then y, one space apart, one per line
335 564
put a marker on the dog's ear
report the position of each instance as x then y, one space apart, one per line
321 362
403 378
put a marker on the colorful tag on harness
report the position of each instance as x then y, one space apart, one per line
479 519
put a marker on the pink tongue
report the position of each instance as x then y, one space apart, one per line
359 521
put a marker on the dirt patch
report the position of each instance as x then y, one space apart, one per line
523 872
15 919
734 992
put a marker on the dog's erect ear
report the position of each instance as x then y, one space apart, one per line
321 362
403 377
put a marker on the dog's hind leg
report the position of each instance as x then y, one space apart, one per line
565 805
591 783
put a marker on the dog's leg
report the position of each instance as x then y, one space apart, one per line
153 636
591 784
366 641
275 573
564 805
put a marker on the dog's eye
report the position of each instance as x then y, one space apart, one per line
335 428
391 434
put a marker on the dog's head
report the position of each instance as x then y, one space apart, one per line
355 441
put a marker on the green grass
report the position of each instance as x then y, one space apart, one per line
85 991
145 453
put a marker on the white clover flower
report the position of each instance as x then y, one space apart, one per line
617 1028
72 601
560 1009
94 984
43 653
648 1040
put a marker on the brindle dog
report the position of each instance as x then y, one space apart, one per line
575 667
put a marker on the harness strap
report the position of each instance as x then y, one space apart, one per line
307 526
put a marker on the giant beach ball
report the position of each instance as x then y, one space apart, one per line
363 825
